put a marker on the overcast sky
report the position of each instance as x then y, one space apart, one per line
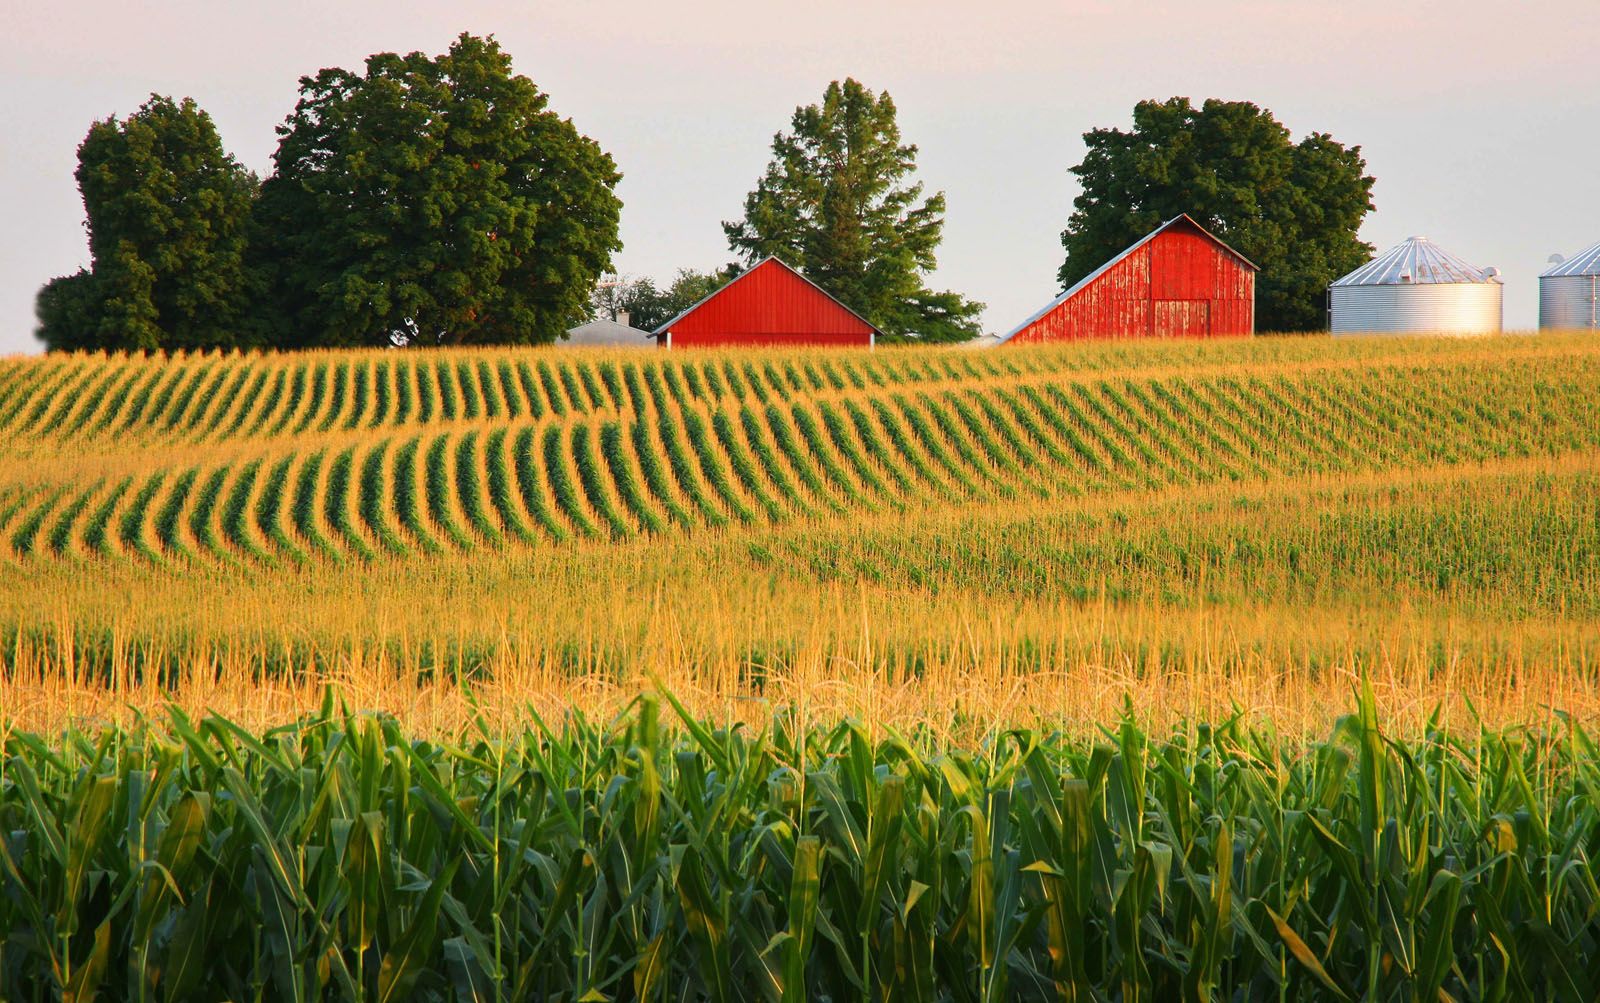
1478 119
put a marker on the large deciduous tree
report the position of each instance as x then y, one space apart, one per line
433 200
167 211
1295 209
837 201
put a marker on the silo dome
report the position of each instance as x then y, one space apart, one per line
1416 287
1567 291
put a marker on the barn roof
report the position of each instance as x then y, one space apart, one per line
1585 262
777 262
1182 217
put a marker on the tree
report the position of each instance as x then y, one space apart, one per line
167 212
1295 209
837 203
648 307
434 200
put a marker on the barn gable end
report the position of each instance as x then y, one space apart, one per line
1178 281
770 304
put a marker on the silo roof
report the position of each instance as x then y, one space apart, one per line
1585 262
1415 261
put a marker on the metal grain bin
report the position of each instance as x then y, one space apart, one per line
1567 292
1416 287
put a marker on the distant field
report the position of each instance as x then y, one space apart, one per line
915 534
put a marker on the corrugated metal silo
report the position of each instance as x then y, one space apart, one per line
1567 292
1416 287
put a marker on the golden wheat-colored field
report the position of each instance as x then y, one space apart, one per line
955 539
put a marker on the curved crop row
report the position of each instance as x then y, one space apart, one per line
213 397
557 449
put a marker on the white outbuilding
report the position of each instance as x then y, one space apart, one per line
1416 287
1567 291
605 333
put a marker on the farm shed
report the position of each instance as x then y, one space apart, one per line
605 333
1567 291
1416 287
1178 281
772 304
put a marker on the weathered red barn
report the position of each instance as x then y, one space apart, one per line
1177 282
770 304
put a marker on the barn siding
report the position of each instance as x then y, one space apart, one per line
769 305
1181 282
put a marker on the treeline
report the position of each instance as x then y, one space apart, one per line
425 200
432 200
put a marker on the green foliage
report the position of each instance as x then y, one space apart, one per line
1295 209
433 200
837 203
70 319
648 307
339 859
168 212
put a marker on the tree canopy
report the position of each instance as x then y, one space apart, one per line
433 200
167 210
1295 209
648 307
838 202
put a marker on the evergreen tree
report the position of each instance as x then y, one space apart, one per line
837 202
167 212
1295 209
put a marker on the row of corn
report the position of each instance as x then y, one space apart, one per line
667 463
212 397
650 860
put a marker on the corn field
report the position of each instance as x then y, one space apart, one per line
350 458
911 675
969 541
337 859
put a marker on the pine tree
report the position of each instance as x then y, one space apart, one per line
837 202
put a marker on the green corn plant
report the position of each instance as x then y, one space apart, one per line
535 500
593 484
336 858
311 410
627 485
449 395
562 490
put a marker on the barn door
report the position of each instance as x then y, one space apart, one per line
1181 318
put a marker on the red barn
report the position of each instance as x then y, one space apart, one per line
1178 282
771 304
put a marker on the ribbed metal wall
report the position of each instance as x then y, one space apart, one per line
1567 291
1567 302
1444 308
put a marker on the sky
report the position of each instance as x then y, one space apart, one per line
1478 119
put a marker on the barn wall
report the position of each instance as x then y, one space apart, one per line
750 339
1179 283
770 305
